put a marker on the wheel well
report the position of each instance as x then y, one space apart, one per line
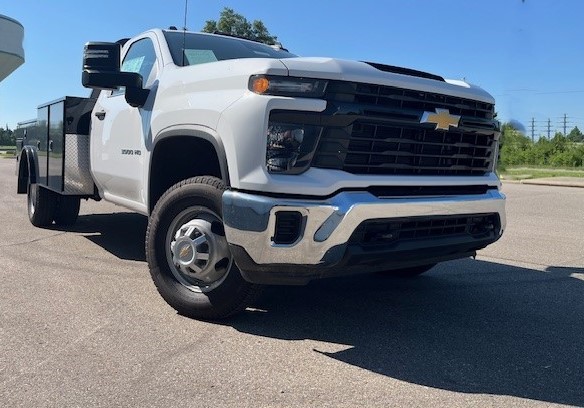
178 158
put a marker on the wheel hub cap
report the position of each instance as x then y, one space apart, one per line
185 252
198 253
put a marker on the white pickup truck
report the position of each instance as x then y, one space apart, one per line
256 166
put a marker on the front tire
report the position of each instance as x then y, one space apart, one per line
188 255
41 205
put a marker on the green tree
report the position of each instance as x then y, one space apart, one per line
7 137
234 23
514 145
540 153
560 151
560 143
576 135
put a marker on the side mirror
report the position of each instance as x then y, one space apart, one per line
101 70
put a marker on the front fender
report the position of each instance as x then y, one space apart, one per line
28 169
200 132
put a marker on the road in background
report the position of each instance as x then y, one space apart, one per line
81 323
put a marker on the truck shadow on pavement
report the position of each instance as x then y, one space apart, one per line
467 326
121 234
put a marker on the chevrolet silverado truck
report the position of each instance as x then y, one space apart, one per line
255 166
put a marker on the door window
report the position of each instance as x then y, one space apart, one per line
140 58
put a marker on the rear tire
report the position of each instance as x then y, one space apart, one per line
67 210
188 255
41 205
408 272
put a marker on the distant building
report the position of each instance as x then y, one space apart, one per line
11 51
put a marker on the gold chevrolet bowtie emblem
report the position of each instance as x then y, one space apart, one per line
184 252
442 118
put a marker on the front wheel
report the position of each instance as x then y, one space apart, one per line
188 255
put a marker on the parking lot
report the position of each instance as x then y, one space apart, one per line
81 323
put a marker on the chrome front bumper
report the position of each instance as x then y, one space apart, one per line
250 220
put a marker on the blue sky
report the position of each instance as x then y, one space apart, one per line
529 55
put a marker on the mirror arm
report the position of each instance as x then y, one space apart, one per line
136 97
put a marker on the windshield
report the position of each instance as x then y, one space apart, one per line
202 48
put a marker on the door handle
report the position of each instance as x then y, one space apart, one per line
100 115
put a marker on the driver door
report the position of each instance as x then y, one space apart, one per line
119 132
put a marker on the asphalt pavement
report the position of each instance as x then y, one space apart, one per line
81 324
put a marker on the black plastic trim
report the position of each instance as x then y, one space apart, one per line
357 259
288 227
389 191
404 71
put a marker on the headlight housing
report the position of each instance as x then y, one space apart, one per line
290 147
287 86
497 152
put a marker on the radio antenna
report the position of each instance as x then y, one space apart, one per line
185 33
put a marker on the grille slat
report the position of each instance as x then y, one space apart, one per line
394 231
377 142
386 96
418 142
409 154
406 166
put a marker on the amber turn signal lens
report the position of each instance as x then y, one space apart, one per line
260 85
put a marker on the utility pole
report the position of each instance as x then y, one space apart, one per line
549 126
532 129
565 123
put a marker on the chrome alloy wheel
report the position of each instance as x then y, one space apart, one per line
197 250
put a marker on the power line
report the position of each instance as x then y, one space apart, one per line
536 128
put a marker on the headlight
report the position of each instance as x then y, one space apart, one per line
287 86
497 153
290 147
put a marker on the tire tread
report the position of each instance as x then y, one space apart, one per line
44 206
245 294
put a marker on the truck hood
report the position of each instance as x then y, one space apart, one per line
355 71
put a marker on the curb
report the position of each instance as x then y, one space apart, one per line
547 182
